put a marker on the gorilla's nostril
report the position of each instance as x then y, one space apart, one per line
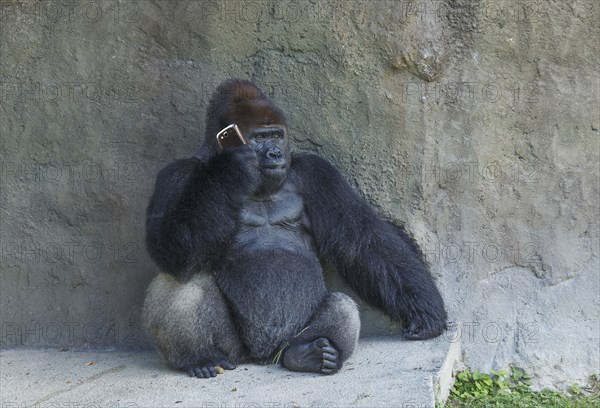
273 153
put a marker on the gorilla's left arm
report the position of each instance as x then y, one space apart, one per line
378 259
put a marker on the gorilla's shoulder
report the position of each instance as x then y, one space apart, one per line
311 164
315 174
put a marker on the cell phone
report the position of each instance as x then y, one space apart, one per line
231 136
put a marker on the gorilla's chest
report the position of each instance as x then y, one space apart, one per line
271 276
277 220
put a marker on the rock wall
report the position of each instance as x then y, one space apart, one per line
473 123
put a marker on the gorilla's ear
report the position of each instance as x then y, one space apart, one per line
241 102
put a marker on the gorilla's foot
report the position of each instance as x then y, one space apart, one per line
210 369
318 356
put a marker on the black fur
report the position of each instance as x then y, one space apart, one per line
240 232
192 214
378 259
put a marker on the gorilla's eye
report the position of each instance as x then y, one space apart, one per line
259 136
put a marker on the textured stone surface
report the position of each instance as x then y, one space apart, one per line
382 373
474 123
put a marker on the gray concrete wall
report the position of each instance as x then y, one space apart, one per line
473 123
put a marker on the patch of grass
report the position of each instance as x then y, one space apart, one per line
511 388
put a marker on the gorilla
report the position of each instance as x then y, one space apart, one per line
238 234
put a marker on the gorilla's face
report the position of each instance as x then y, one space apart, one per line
262 124
272 147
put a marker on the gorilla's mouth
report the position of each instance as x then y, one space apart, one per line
273 164
278 169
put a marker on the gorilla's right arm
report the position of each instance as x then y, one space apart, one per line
192 214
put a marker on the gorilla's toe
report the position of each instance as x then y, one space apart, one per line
318 356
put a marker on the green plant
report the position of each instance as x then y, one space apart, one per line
511 388
474 385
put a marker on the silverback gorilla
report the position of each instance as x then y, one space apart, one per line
238 235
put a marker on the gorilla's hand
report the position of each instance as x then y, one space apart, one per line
241 164
210 368
423 327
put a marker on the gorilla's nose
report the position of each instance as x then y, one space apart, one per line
273 153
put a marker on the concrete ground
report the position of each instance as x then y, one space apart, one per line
384 372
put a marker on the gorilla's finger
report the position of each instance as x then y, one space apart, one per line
329 364
227 365
327 371
330 350
329 357
322 342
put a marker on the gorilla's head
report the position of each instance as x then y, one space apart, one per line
262 123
